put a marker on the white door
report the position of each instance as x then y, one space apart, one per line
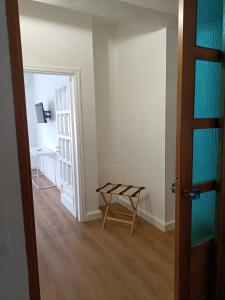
64 103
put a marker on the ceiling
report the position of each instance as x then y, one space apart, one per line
167 6
161 13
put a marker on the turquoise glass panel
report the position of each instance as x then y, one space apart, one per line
207 89
205 154
209 23
208 104
203 218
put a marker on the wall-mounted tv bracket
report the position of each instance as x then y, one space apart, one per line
47 114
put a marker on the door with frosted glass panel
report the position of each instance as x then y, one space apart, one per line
199 145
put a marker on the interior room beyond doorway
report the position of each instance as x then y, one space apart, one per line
51 126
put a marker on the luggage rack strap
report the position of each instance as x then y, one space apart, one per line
138 191
102 187
123 192
126 189
114 188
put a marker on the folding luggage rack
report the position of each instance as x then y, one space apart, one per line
132 192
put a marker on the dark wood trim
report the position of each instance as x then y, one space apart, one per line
185 112
12 14
203 247
208 54
206 123
207 186
201 271
219 249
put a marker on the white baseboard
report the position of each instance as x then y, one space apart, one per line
94 215
148 217
169 226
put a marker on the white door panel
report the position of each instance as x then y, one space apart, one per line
66 134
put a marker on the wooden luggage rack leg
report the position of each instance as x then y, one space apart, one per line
134 207
107 203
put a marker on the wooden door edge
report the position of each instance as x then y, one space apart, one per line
185 96
12 15
219 248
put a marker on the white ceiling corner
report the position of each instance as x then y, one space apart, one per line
145 12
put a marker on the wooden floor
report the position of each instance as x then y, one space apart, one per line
81 261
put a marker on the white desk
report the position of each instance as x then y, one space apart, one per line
43 152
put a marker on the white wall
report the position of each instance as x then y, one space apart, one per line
135 86
31 116
106 105
141 94
13 267
62 38
41 88
171 119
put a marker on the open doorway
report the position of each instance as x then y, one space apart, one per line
135 272
128 99
52 114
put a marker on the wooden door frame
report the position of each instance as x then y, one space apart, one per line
75 73
12 15
219 248
219 251
186 53
183 154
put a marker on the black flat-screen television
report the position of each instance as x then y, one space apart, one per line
40 113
